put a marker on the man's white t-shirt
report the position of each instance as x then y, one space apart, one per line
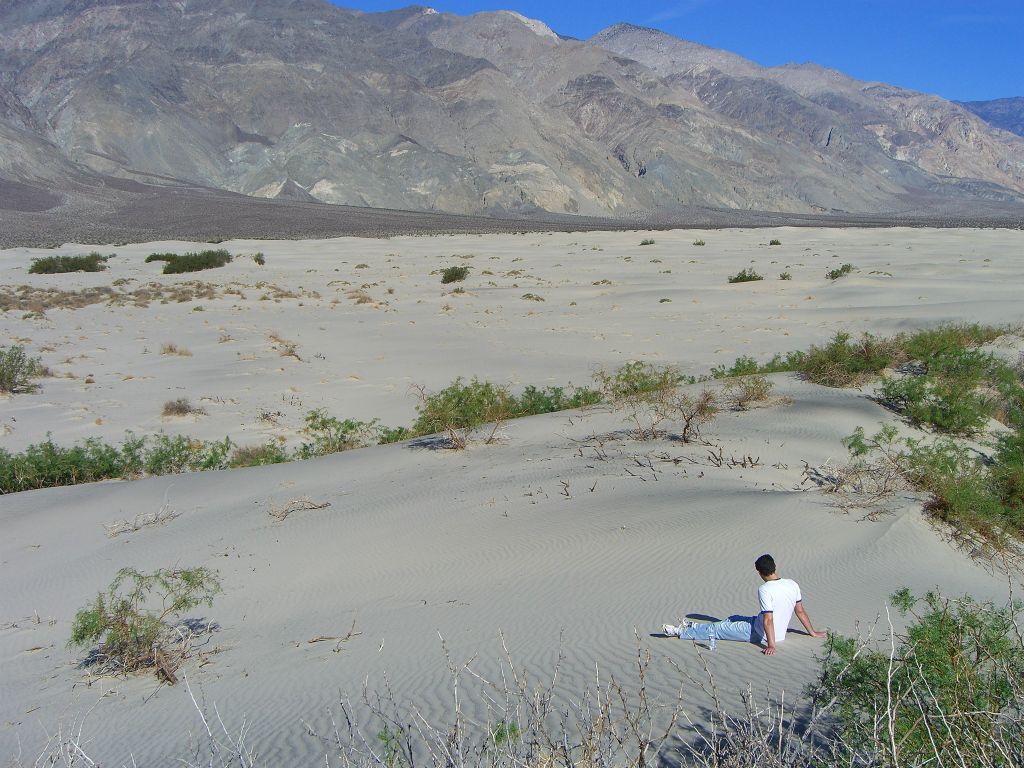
778 597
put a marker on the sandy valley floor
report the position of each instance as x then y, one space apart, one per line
565 536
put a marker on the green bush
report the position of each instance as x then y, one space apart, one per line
947 404
774 242
552 399
744 366
1008 471
835 274
171 454
928 343
454 274
133 620
258 455
638 378
191 262
747 275
844 363
331 435
17 370
785 276
260 259
44 465
947 688
647 241
699 242
463 405
52 265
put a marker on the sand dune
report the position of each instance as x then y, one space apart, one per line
555 538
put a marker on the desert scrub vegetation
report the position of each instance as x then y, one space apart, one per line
181 407
978 496
699 243
135 622
785 275
947 690
835 274
647 241
18 369
191 262
741 392
53 265
454 274
650 399
746 275
774 241
463 406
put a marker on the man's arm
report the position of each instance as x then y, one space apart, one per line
768 619
806 621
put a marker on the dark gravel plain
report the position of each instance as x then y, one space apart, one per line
142 214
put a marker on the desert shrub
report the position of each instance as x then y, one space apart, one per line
774 242
181 407
1008 471
191 262
844 363
17 370
534 400
743 391
454 274
260 259
328 434
52 265
744 366
928 343
637 378
747 275
647 241
950 686
134 619
258 455
785 276
948 405
45 464
462 406
835 274
170 454
692 413
972 498
171 348
532 297
699 242
387 435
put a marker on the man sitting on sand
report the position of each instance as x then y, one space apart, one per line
779 598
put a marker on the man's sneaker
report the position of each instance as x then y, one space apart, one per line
673 630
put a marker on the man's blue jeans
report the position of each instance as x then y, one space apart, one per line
744 628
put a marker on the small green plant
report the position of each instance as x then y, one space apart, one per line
532 297
259 259
17 370
785 276
362 266
637 378
699 242
835 274
191 262
134 619
664 301
774 241
747 275
52 265
455 274
647 241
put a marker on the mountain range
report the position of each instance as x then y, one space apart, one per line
494 113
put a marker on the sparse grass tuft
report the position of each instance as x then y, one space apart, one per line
699 242
170 348
260 259
774 242
785 276
647 241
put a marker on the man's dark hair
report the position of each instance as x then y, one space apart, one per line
765 565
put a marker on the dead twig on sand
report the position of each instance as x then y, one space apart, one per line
295 505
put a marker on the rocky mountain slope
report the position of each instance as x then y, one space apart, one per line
490 113
1007 114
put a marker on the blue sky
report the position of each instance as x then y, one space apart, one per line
959 49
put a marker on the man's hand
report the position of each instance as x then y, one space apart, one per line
769 651
819 635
